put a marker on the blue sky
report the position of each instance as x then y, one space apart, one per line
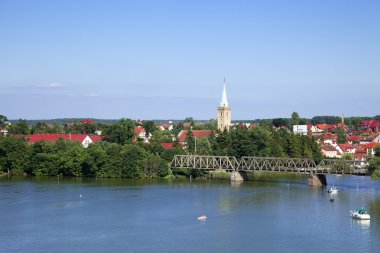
167 59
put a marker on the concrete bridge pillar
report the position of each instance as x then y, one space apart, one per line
317 180
238 176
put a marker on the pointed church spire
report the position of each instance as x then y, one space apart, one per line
224 102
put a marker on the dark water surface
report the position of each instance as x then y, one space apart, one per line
272 214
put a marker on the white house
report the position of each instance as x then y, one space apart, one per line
300 129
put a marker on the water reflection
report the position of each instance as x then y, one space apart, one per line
361 223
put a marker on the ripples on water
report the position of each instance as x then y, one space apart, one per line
270 214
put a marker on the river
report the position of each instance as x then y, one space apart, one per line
268 214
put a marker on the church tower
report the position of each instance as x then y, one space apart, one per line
224 111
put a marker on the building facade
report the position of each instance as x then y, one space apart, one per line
224 112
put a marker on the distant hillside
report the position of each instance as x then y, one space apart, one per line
64 120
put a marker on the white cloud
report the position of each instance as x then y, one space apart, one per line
55 85
93 95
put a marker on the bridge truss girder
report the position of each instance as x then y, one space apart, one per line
248 163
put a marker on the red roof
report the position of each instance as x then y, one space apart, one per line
95 138
54 137
359 157
139 129
371 145
87 121
167 145
342 125
346 147
199 134
328 148
355 138
370 123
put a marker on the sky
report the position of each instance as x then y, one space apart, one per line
161 59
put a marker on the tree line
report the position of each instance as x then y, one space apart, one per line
100 159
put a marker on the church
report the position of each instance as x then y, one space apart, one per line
224 112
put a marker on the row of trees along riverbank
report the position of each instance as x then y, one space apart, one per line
118 156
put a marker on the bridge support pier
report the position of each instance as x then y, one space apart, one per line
317 180
238 176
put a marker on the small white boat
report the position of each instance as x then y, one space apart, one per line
203 217
360 214
332 190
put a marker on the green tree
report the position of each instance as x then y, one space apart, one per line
14 154
280 122
190 142
153 166
71 159
341 135
169 154
44 159
293 148
203 146
132 156
121 132
150 127
374 164
3 119
295 119
21 127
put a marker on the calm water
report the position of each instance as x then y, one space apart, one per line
269 215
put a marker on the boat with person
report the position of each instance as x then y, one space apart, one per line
203 217
332 190
360 214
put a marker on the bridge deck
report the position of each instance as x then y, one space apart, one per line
248 164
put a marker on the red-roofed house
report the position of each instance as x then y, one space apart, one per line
346 148
330 151
354 139
374 125
199 134
370 148
342 125
84 139
141 133
87 121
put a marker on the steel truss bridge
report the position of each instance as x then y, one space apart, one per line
270 164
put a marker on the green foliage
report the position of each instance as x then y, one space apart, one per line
153 166
13 155
168 155
325 120
3 119
44 128
203 147
21 127
101 159
280 122
295 119
341 134
190 142
150 127
374 167
263 141
121 132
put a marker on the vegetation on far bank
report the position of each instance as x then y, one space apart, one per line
123 155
